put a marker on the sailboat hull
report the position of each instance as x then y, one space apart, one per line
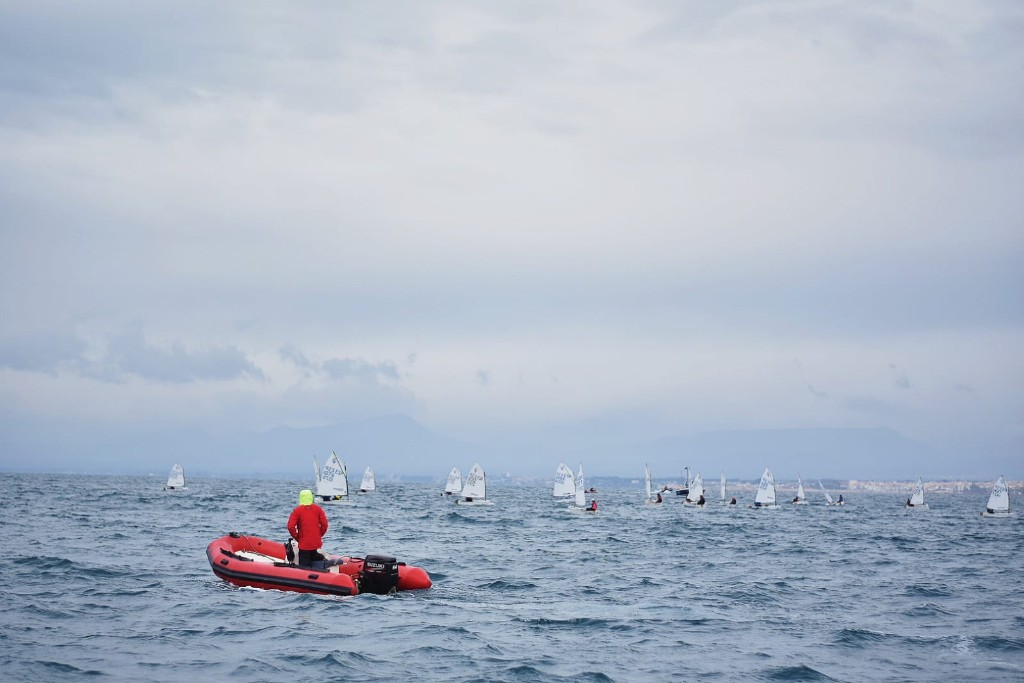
260 563
996 514
463 501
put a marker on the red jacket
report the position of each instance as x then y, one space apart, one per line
307 524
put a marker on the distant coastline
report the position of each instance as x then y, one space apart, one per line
896 486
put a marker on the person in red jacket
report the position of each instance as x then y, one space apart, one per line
307 525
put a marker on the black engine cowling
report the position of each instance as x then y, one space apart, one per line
379 575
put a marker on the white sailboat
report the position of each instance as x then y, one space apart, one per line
369 482
580 499
828 497
695 494
998 501
474 492
722 489
454 485
176 479
648 488
801 496
916 501
765 497
332 481
565 484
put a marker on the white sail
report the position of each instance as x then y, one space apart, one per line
917 499
696 490
722 485
333 478
828 496
581 499
454 485
476 483
647 480
176 479
565 486
766 489
999 499
801 498
369 480
321 489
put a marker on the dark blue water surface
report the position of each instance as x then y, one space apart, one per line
107 578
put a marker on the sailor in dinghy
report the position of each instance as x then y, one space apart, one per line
580 499
176 479
916 501
801 496
454 485
648 488
565 484
829 502
765 498
369 482
695 493
998 501
475 490
332 481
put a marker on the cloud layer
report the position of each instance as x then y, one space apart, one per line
756 214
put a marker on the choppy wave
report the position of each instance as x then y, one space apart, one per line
794 673
1000 643
114 584
928 591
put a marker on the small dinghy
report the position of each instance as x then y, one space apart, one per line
765 498
475 490
580 499
564 489
648 488
176 479
332 481
369 483
454 485
829 502
916 501
695 495
998 501
260 563
801 495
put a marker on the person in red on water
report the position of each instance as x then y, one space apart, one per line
307 524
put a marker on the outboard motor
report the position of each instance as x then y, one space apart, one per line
379 575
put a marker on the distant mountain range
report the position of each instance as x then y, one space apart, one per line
400 446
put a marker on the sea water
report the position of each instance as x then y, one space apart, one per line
106 578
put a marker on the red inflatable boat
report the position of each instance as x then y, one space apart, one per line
252 561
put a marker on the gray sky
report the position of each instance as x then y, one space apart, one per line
671 216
